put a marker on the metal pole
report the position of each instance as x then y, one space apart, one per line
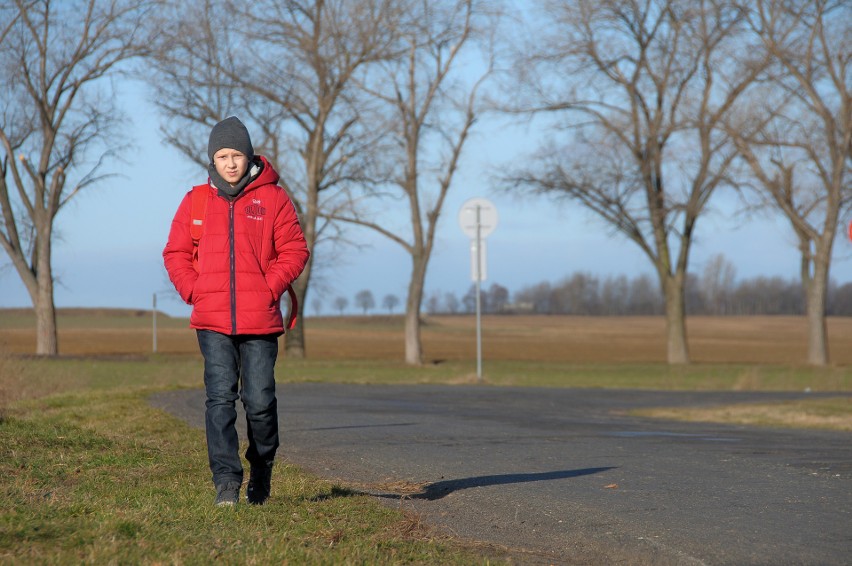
154 310
478 307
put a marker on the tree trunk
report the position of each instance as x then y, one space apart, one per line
677 351
413 345
47 343
815 290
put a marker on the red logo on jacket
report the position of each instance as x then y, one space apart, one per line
255 211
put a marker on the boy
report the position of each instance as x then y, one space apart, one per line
251 250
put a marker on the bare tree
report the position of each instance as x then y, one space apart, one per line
577 294
469 299
767 295
390 302
432 111
649 84
289 75
717 284
365 301
340 303
433 302
645 297
615 294
498 298
451 302
537 297
799 144
56 114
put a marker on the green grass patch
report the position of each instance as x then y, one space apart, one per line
693 377
101 477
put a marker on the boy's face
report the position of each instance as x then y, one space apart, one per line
230 164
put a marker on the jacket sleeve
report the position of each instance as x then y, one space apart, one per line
291 249
177 254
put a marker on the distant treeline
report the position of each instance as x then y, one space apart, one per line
716 291
586 294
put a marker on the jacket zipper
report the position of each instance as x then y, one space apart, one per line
233 269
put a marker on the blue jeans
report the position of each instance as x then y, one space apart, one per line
247 361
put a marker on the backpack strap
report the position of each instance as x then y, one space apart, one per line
294 308
200 193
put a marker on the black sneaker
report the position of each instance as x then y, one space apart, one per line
227 494
260 480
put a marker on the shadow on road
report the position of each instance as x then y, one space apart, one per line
441 489
314 429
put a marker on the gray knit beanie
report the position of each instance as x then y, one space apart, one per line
230 133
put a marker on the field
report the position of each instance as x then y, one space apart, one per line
561 339
90 472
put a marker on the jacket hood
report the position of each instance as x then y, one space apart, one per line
260 171
268 175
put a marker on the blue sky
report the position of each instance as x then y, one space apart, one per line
110 238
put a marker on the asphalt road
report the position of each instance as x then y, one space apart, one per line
564 476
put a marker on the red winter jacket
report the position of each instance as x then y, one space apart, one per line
252 248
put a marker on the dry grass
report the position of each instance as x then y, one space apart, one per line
573 339
829 414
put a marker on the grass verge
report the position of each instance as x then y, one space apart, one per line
95 475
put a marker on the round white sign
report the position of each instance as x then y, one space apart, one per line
481 209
